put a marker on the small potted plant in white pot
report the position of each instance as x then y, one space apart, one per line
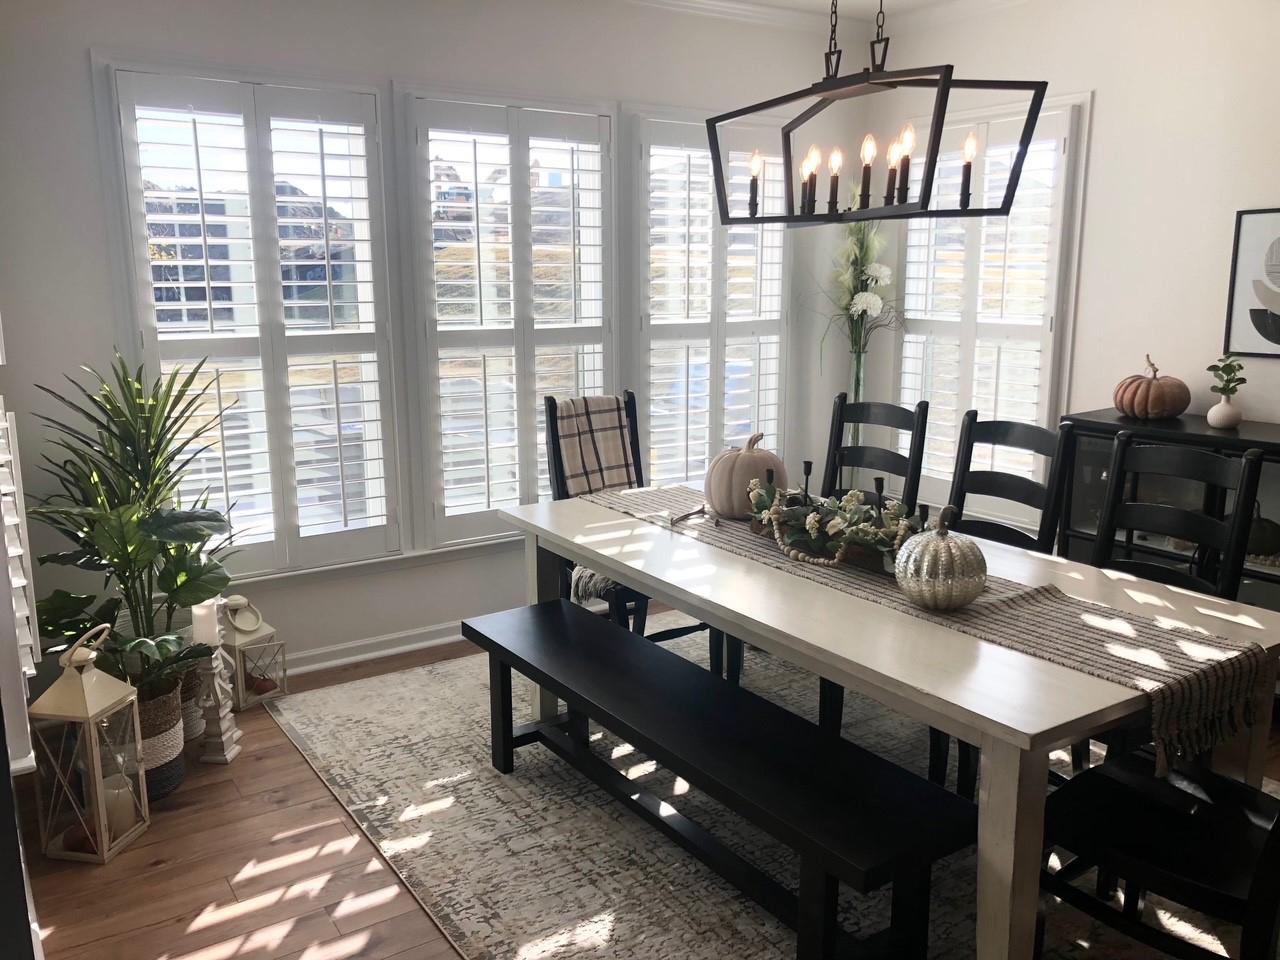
1223 415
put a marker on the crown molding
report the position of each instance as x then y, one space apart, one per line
744 11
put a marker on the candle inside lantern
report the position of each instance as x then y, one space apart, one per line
966 172
753 201
868 158
804 186
891 190
908 141
834 163
813 161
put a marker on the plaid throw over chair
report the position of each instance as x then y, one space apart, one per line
593 444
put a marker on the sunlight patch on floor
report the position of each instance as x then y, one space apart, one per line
416 810
256 868
593 933
343 948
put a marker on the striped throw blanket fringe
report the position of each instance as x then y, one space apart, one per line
1203 688
595 444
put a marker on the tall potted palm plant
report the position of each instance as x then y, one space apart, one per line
118 462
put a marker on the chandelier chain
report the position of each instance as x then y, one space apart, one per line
879 22
831 45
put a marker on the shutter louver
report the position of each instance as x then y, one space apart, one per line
679 410
17 547
479 432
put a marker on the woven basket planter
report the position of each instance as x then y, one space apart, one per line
161 722
192 713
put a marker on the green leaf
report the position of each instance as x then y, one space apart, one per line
143 647
192 578
1215 389
121 541
184 526
61 606
82 559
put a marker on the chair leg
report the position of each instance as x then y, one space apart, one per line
1135 900
909 916
819 900
618 610
1107 884
1080 756
734 655
967 773
939 750
715 654
640 615
500 723
830 707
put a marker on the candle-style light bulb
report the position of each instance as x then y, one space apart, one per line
891 190
908 143
868 156
813 160
966 172
834 163
753 200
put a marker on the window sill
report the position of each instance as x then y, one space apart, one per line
387 564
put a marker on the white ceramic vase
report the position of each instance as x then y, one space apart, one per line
1224 415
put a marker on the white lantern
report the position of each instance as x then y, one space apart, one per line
258 656
91 792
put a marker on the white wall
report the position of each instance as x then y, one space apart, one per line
56 282
1184 134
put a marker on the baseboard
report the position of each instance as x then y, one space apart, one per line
371 648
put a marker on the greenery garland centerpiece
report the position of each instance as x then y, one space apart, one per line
828 531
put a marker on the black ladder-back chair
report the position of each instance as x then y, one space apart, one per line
881 460
1197 838
1218 561
868 457
628 608
1055 446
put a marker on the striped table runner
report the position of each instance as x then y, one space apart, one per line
1201 686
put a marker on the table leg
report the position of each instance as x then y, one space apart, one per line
542 569
1245 757
1010 840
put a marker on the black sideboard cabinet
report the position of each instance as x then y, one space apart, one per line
1094 434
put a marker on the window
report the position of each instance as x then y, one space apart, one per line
516 245
980 294
257 239
712 332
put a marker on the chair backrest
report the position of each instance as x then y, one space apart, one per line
1053 445
1219 558
879 459
555 452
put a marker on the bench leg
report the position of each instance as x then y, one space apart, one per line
819 899
830 706
909 916
501 732
578 727
734 654
715 651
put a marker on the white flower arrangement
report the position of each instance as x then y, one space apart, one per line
811 523
866 302
877 274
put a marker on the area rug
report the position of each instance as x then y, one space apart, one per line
543 864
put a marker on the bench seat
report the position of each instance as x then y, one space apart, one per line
850 814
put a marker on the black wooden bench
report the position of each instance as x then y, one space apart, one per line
850 814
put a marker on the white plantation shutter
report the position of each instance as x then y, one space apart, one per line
257 217
512 208
17 547
713 316
979 295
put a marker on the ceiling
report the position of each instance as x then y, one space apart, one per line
859 9
806 13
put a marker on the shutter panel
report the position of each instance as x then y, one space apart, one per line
17 547
679 410
515 211
979 295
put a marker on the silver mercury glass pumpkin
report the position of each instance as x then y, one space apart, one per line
941 570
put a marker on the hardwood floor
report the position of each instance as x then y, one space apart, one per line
252 861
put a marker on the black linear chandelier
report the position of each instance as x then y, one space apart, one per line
801 185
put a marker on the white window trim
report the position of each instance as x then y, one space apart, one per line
637 117
417 274
1061 335
136 339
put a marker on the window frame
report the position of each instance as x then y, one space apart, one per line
438 531
1057 335
287 551
687 130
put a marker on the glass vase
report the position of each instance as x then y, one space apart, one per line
857 375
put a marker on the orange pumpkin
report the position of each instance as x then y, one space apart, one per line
1151 396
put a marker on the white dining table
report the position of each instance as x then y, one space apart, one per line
1016 707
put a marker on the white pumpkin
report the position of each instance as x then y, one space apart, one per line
731 472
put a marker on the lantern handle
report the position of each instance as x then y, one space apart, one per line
93 637
235 605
